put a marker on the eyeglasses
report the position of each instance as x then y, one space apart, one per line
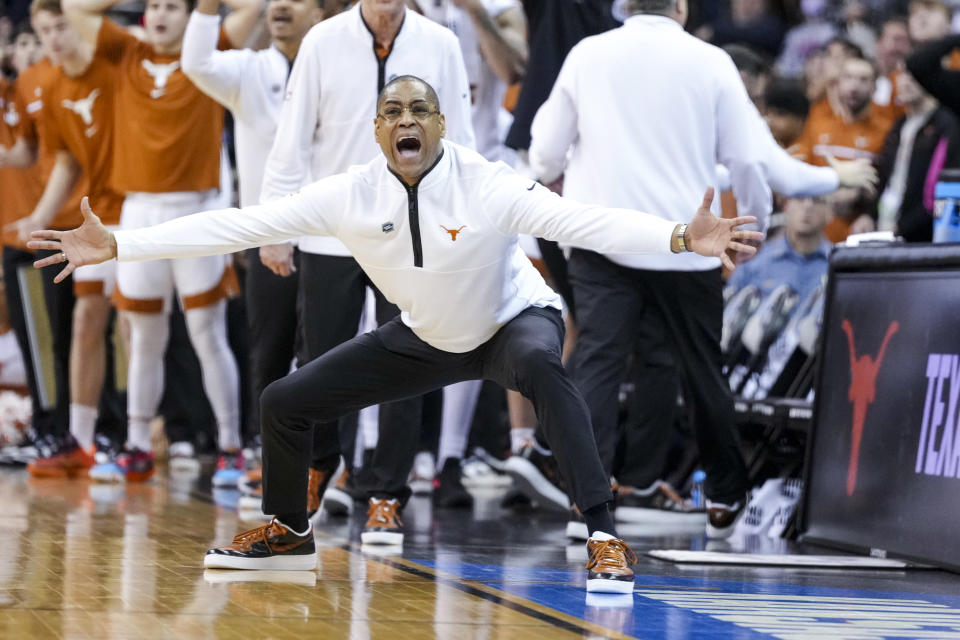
419 111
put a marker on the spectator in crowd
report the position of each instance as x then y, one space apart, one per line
78 123
167 164
21 185
928 20
823 69
785 110
921 143
252 85
750 22
51 423
845 125
754 71
807 39
893 46
798 257
700 98
926 66
324 128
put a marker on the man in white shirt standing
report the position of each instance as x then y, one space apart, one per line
252 85
343 64
493 40
472 305
678 108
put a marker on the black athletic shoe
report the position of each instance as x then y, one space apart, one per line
270 547
448 489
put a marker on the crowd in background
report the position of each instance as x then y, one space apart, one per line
859 86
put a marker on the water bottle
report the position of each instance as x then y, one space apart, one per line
696 491
946 207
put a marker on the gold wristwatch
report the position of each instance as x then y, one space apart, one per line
678 234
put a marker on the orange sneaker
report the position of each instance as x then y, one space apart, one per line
608 570
384 525
72 463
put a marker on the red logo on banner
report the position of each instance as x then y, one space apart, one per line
863 391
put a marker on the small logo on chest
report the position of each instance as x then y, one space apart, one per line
453 232
386 227
161 74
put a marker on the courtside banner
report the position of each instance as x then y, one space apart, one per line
883 459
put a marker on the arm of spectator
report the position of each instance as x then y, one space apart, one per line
242 19
86 16
554 128
926 65
21 155
739 148
217 73
62 179
503 38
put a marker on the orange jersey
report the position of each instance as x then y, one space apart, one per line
20 188
78 117
32 86
825 133
167 135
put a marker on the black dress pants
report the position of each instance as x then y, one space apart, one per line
272 322
60 300
392 363
332 293
617 308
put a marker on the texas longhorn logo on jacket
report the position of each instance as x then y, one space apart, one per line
453 232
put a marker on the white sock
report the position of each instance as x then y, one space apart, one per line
459 403
600 536
83 421
520 437
138 434
208 334
298 533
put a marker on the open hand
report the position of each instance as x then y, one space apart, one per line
858 174
711 236
90 243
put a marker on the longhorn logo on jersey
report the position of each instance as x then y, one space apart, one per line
161 74
453 232
84 109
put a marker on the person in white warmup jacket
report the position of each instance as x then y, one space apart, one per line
435 227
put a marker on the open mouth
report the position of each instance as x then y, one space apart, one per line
281 19
408 147
160 28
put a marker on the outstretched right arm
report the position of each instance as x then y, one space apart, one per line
313 210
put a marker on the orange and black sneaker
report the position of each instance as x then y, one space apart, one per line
271 547
608 569
136 464
69 462
384 525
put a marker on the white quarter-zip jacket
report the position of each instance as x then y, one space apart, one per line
445 251
326 124
249 83
647 111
